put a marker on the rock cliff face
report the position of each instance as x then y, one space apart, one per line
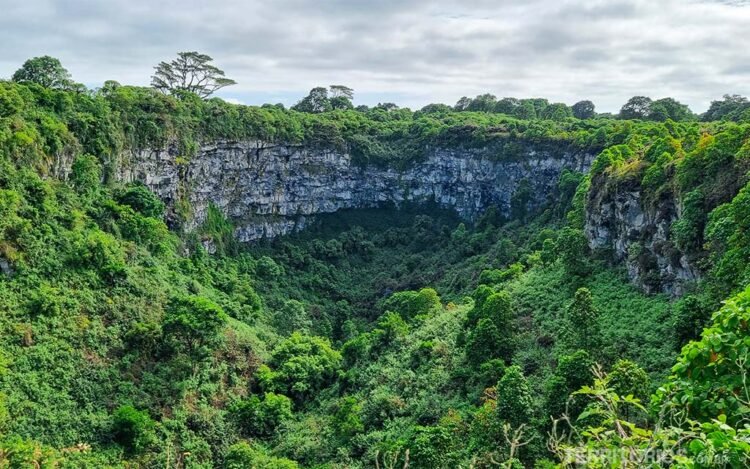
269 190
637 233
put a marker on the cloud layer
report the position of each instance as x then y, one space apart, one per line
408 51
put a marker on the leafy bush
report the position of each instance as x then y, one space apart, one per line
300 365
260 417
411 304
132 428
193 323
142 200
244 455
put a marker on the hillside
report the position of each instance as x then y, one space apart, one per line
443 288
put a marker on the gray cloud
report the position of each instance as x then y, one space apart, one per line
418 51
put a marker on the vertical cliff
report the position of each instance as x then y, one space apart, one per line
635 231
268 190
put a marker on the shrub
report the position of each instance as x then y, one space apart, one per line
86 175
102 252
133 429
193 324
261 417
243 455
300 365
410 304
142 200
514 402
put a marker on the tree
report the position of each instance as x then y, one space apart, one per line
462 104
731 107
615 440
710 379
637 107
514 402
102 252
341 103
507 106
486 342
299 366
11 102
525 110
539 104
86 175
133 429
519 201
669 108
292 317
482 103
341 91
434 108
572 373
341 97
142 200
316 101
346 417
582 323
243 455
572 248
191 72
627 378
390 327
410 304
690 319
556 112
548 254
430 447
495 307
387 107
584 110
261 417
482 341
194 323
46 71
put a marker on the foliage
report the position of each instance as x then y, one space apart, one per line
411 304
572 247
637 107
194 324
300 365
133 429
572 373
583 110
628 379
142 200
190 72
261 417
514 400
582 330
243 455
710 377
397 335
45 71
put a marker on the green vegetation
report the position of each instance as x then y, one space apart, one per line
398 336
191 72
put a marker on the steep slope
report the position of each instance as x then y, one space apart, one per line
445 327
268 189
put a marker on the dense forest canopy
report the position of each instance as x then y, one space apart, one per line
396 338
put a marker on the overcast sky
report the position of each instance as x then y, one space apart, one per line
411 52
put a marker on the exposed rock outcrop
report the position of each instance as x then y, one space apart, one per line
269 190
637 233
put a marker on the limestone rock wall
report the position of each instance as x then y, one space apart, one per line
269 190
637 233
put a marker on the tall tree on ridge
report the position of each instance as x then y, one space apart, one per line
192 72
